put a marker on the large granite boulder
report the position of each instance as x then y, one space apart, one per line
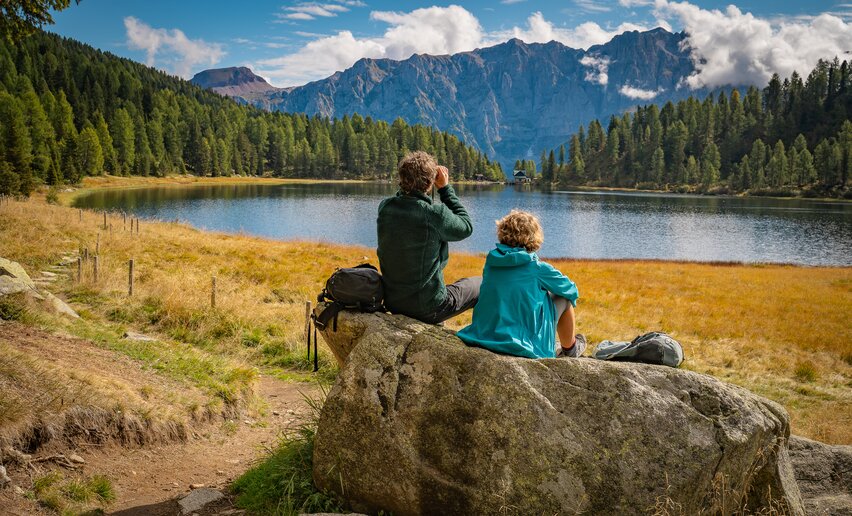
824 474
419 423
14 279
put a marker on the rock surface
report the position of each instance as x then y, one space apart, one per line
13 278
824 474
417 423
198 499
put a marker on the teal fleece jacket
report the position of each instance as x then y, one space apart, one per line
514 314
413 233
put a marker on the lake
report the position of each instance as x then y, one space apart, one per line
576 224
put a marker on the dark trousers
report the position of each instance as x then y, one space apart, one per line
461 295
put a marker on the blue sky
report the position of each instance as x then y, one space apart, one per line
294 42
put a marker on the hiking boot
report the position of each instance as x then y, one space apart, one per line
576 350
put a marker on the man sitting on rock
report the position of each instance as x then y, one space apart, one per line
413 234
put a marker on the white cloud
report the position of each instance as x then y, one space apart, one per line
599 66
430 30
728 47
180 53
732 48
592 6
539 30
639 93
312 10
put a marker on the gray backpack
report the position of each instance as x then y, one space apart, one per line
651 348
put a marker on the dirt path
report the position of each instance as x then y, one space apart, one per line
149 480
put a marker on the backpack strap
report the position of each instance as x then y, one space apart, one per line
330 313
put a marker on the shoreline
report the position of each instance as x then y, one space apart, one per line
94 184
618 189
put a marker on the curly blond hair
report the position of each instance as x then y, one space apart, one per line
520 229
417 171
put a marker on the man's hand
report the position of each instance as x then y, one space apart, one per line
442 178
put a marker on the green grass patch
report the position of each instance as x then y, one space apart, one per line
216 375
805 371
283 483
75 496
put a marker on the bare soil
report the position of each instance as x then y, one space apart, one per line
149 480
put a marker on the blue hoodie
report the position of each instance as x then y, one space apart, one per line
514 314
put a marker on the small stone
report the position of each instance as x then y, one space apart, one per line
4 478
276 413
232 461
175 484
220 472
130 335
18 490
47 274
196 486
76 459
198 499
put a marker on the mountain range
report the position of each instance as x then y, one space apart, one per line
510 100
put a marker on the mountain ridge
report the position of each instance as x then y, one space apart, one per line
509 100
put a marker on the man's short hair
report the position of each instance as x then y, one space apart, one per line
417 171
520 229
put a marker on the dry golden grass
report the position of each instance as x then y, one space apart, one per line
753 325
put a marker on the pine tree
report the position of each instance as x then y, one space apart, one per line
90 159
124 140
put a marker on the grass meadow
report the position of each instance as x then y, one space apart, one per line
782 331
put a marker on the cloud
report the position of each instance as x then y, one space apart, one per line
599 66
510 2
592 6
432 30
539 30
639 93
180 53
635 3
732 48
312 10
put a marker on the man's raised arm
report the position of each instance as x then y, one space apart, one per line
454 223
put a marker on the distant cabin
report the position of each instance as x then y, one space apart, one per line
520 176
479 177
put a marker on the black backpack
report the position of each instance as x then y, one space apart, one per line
353 288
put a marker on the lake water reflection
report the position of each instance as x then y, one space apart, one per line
576 224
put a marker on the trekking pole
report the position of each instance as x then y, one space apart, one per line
316 363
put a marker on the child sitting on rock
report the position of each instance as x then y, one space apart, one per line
523 302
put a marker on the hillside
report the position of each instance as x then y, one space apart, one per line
238 82
68 111
794 137
508 100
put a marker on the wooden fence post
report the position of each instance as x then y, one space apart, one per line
95 267
213 293
124 213
308 326
81 214
98 246
86 253
137 225
130 278
105 222
79 269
